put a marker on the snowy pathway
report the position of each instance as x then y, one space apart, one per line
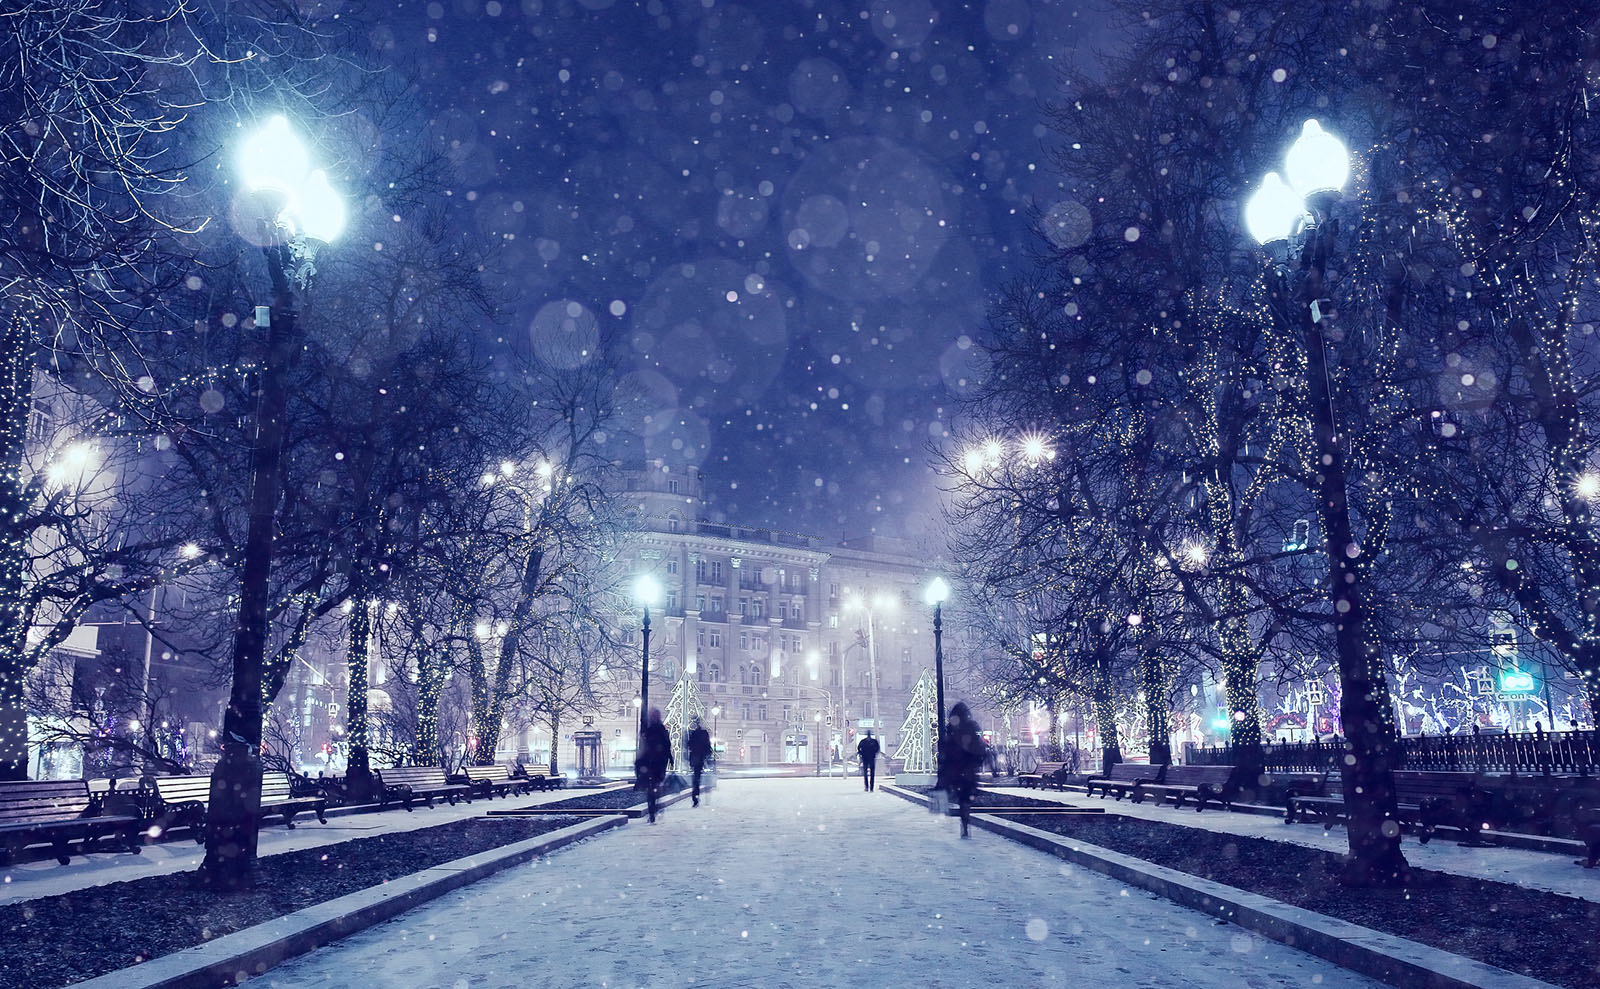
788 883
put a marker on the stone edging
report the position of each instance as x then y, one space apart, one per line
245 954
1395 960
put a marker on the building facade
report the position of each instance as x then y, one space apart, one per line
785 636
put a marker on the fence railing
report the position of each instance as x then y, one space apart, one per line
1527 753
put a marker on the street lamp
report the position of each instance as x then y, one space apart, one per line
936 594
1294 218
881 601
300 212
646 591
716 709
816 738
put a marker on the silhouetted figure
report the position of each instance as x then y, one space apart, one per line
867 752
960 758
655 755
698 746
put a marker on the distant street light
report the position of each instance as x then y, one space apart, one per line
937 593
880 602
646 591
299 213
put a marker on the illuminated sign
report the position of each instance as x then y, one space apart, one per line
1516 682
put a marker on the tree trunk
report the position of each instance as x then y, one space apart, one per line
1153 682
1364 708
1239 682
430 684
16 389
1105 713
555 736
478 672
491 724
358 770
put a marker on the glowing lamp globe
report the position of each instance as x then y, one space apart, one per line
938 591
647 590
1274 210
1317 161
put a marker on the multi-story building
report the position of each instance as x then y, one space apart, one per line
782 632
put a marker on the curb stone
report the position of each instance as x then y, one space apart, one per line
246 954
1391 959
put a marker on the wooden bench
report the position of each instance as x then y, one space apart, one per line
278 799
409 784
1182 782
184 801
540 777
494 781
57 811
1424 801
1043 774
1124 776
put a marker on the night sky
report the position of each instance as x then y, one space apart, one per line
788 215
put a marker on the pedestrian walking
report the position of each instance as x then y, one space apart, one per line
867 752
650 765
960 757
698 745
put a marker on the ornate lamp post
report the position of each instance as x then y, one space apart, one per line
300 213
1293 219
646 591
936 594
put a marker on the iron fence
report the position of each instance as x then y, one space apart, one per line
1526 753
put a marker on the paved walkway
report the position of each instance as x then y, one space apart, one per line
46 877
790 883
1548 871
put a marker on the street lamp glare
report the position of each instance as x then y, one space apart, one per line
973 462
1589 485
1317 162
189 551
1275 210
938 591
647 590
507 468
274 158
319 209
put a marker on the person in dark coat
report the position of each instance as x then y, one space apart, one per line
867 752
961 755
655 755
698 746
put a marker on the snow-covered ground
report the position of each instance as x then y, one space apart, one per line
1548 871
796 882
46 877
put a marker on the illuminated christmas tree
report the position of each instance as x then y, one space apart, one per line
917 733
683 707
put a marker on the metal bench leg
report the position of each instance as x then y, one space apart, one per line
322 813
59 846
288 819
